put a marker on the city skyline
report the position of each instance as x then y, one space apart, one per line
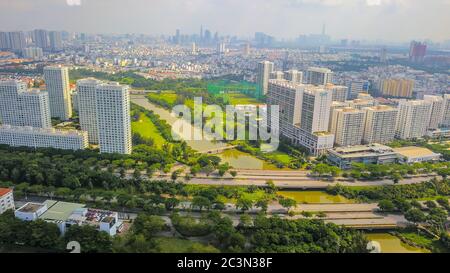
402 20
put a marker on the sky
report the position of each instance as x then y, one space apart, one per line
384 20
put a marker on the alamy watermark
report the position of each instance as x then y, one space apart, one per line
241 122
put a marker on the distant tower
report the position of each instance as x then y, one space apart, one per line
323 29
57 82
201 33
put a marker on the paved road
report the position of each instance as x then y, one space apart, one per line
299 182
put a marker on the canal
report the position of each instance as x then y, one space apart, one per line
392 244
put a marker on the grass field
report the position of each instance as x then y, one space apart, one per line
145 127
169 96
175 245
238 98
279 156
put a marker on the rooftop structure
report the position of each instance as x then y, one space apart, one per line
413 154
375 153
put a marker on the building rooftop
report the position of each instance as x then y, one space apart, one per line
362 150
58 210
414 151
4 191
31 207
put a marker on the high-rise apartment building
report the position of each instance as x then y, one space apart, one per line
57 82
302 111
55 40
34 53
379 124
356 87
400 88
14 41
318 76
294 76
437 110
446 111
412 119
315 111
113 118
339 92
262 78
22 107
347 125
277 75
41 38
87 108
417 51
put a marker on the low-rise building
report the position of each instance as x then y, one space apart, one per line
343 157
18 136
65 214
6 199
413 154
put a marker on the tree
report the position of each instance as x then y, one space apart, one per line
201 202
171 202
415 215
287 203
245 220
233 173
90 239
386 205
148 225
437 218
430 204
270 187
244 203
402 204
263 204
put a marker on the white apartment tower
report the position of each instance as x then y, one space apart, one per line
380 124
437 107
22 107
318 76
446 111
294 76
315 111
113 118
87 109
57 82
263 75
348 126
412 119
339 92
276 75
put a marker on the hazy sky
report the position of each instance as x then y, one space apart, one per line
391 20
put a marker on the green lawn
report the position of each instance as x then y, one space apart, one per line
169 96
238 98
175 245
279 156
145 127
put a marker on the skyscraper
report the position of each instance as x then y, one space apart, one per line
347 126
339 92
22 107
380 124
417 51
315 111
87 109
18 42
262 76
57 82
412 119
41 38
113 118
356 87
318 76
55 38
294 76
437 110
276 75
446 111
400 88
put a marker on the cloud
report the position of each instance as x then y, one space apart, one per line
73 2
